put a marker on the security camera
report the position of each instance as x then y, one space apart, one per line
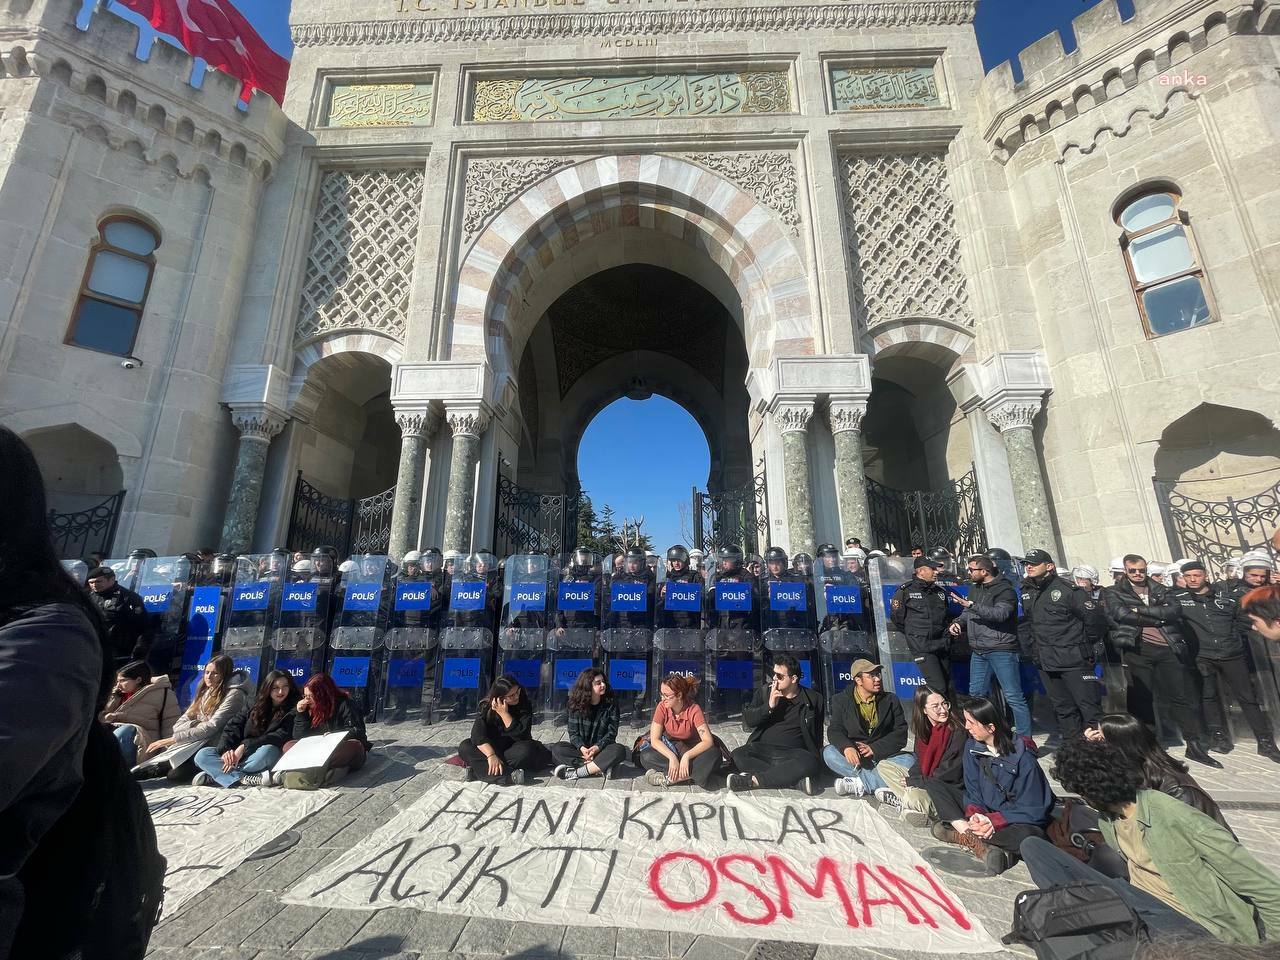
130 363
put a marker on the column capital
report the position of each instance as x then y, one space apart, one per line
792 414
846 413
466 417
419 421
1013 413
258 421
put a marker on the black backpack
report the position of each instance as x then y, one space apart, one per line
1076 921
94 884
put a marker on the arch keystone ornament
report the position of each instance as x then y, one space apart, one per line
258 424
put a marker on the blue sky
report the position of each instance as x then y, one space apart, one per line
269 17
1005 27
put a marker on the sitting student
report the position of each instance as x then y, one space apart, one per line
867 728
1188 876
1007 797
938 763
679 745
785 745
501 748
252 742
219 697
325 709
593 730
141 708
1138 745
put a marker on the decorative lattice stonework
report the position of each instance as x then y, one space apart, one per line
770 177
494 183
904 253
363 244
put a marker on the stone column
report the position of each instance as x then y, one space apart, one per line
416 429
1013 419
792 418
257 426
844 416
467 423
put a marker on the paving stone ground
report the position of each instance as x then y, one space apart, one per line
241 916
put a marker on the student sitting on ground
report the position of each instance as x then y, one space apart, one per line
141 709
219 697
252 742
784 748
325 709
867 729
1160 771
937 765
592 749
679 746
1188 876
1007 797
501 748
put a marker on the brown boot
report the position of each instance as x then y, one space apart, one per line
974 845
996 861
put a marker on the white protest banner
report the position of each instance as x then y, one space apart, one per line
814 871
205 833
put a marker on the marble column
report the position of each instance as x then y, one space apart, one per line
467 423
792 419
1013 418
416 430
257 427
844 416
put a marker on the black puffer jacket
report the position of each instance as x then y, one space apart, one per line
1127 615
1059 615
991 621
241 729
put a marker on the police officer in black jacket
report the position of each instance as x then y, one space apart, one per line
1214 617
1146 628
1060 615
124 613
919 610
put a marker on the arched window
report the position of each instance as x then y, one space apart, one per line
1164 266
113 293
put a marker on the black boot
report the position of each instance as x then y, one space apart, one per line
1220 742
1267 748
1196 751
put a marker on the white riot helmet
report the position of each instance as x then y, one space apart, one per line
1117 565
413 556
1255 558
1084 572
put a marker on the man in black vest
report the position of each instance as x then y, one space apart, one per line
919 610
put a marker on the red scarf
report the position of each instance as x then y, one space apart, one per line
929 751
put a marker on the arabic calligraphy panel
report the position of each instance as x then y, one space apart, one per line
878 88
380 105
616 98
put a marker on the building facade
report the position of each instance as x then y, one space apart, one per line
861 265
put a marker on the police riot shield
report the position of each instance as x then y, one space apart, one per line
413 634
732 666
252 611
887 574
845 627
165 583
78 570
522 636
788 623
355 643
466 637
626 639
302 622
128 570
571 641
678 636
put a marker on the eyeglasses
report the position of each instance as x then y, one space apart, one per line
944 706
666 696
1135 569
974 569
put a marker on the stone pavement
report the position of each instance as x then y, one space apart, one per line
241 917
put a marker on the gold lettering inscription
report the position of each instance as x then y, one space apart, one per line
380 105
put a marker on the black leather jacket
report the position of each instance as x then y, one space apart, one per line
1127 615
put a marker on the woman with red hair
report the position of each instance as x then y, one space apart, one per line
325 709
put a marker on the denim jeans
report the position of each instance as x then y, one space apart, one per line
870 776
1004 664
127 737
210 761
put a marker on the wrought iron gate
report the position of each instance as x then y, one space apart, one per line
526 521
78 533
351 526
950 518
1212 531
737 517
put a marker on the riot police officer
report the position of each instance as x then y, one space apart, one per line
802 564
124 614
919 611
678 571
581 569
635 569
730 569
831 573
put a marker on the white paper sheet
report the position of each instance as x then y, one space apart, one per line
311 752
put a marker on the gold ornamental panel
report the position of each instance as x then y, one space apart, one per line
380 105
884 88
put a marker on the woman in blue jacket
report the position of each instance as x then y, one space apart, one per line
1007 797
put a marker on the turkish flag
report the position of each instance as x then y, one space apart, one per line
218 33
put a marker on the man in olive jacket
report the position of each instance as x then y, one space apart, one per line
867 726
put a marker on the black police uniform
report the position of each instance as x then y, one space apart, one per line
127 622
919 610
1061 618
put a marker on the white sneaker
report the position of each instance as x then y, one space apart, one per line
887 798
850 787
656 778
202 779
560 771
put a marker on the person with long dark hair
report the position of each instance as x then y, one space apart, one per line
140 710
219 697
937 764
254 740
1160 771
1006 795
325 709
592 749
55 675
501 748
